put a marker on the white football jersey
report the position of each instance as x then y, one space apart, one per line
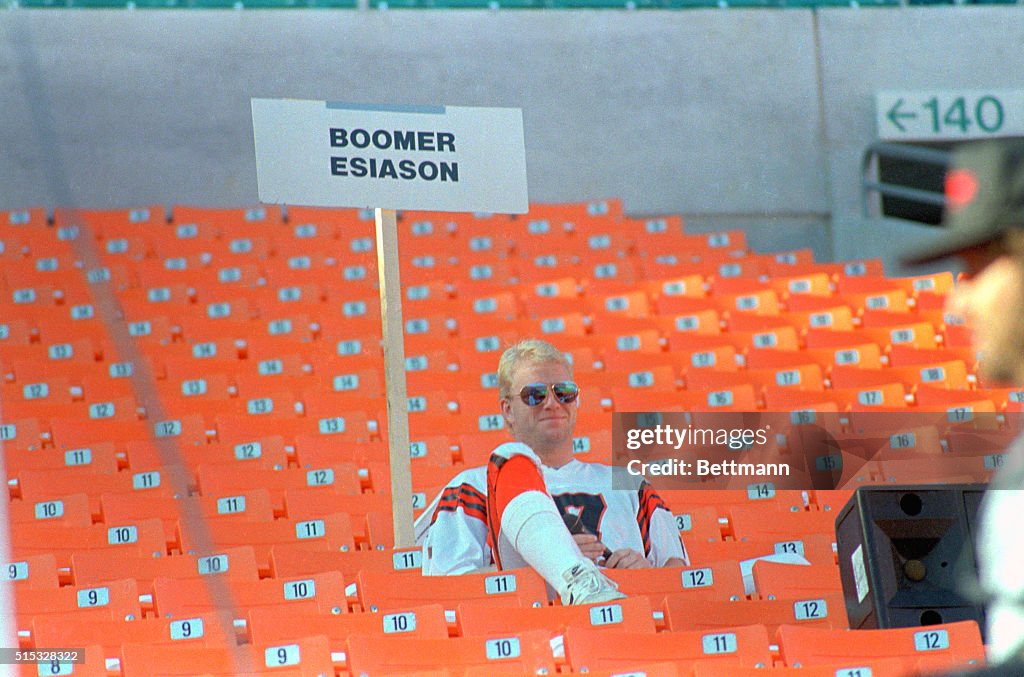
453 529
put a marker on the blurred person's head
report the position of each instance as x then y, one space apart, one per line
539 399
984 225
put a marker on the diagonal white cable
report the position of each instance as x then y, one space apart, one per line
34 90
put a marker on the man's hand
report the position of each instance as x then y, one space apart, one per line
591 548
626 559
594 550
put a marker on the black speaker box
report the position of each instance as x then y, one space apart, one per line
904 551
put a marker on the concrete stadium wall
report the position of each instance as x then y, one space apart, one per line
733 118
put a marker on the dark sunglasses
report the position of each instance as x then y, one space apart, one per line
534 394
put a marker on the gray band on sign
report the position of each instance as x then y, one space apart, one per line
386 108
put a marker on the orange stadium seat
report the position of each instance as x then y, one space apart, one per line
15 332
792 261
774 580
547 295
277 624
767 358
657 232
949 375
306 657
903 356
326 415
253 505
38 486
721 499
224 479
505 330
33 217
609 346
625 615
682 303
818 315
756 302
202 630
934 283
696 524
93 664
736 397
558 327
71 510
475 448
588 649
33 572
697 320
759 521
660 377
876 667
474 276
314 451
683 285
629 360
23 434
961 405
60 355
530 237
226 217
184 597
337 218
628 304
523 652
940 646
330 532
867 355
698 352
119 378
289 560
1008 399
719 580
516 587
266 452
683 613
871 397
738 284
144 536
906 333
809 284
118 409
75 434
796 376
886 297
603 275
113 600
816 548
781 337
92 566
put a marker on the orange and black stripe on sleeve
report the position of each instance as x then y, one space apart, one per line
464 496
649 502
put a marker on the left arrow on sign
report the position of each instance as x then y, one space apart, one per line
895 115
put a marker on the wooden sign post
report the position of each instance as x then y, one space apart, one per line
394 375
435 158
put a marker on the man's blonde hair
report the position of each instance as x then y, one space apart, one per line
532 351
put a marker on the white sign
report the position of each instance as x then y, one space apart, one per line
949 114
440 158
